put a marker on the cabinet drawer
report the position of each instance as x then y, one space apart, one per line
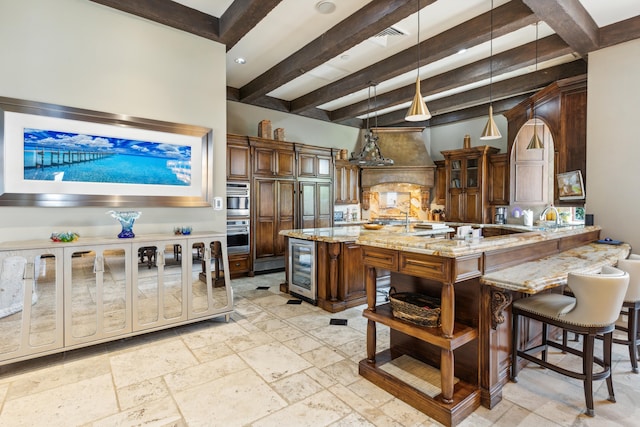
378 257
238 264
426 266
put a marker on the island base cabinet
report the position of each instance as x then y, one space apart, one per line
340 276
102 289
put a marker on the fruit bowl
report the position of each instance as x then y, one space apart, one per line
372 226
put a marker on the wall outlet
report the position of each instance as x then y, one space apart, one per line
217 203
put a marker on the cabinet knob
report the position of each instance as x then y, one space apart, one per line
237 264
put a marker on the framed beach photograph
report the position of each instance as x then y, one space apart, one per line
570 186
61 156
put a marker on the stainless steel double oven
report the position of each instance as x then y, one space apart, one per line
238 225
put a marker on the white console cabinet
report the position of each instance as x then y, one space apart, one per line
60 296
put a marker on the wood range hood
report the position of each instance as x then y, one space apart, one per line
412 163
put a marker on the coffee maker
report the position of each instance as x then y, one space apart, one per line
500 216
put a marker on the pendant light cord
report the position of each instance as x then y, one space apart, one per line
491 55
418 41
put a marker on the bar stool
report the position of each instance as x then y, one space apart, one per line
631 308
593 311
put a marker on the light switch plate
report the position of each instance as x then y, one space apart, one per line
217 203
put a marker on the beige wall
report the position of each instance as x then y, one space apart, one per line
613 149
81 54
243 119
451 136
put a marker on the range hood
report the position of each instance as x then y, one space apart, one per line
412 163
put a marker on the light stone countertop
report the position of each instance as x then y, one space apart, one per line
535 276
395 237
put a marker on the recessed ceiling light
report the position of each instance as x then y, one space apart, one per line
345 57
240 61
325 7
461 51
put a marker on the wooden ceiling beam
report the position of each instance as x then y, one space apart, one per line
500 90
169 13
241 17
620 32
367 22
570 20
511 60
506 18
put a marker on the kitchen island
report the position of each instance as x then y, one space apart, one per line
447 372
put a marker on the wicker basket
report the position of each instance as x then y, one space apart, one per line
416 308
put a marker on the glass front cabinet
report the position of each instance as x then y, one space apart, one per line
69 295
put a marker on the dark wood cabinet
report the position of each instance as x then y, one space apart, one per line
340 276
563 107
499 179
314 201
273 211
466 172
440 197
274 159
314 162
346 183
238 158
239 264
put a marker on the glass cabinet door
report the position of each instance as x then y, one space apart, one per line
159 296
30 302
97 292
209 288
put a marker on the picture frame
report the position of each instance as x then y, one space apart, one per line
59 156
570 185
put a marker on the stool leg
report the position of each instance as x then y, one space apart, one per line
607 343
587 369
544 341
632 334
564 339
515 327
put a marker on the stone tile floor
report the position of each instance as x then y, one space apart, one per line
273 364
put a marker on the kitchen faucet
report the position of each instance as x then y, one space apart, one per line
543 215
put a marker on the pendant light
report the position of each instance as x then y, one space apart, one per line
536 142
370 154
418 111
491 130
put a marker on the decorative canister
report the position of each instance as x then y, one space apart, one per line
344 154
467 141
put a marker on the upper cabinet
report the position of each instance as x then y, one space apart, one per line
314 162
238 158
562 107
346 183
467 184
275 159
440 197
499 179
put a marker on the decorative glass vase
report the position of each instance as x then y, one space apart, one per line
126 220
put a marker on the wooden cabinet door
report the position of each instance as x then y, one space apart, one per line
263 161
340 185
265 217
499 179
473 205
351 283
316 209
284 163
308 204
324 164
455 207
238 162
347 183
307 165
441 183
285 213
324 210
353 184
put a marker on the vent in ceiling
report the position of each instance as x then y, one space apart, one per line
390 31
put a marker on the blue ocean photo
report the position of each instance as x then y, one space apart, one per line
64 156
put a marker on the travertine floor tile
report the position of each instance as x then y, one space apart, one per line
274 361
321 409
162 412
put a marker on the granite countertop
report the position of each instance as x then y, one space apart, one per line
535 276
395 237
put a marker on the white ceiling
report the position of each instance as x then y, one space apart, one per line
294 23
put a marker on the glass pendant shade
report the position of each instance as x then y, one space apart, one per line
418 111
490 130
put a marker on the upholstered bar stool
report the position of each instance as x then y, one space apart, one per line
630 309
593 311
